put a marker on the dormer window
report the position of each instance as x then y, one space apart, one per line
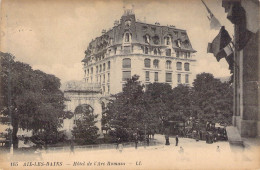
147 38
127 37
167 40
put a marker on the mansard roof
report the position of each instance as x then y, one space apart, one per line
138 30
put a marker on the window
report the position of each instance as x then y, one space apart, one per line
108 77
147 76
146 38
155 51
126 75
168 52
108 65
178 43
115 50
188 54
156 63
156 79
179 65
85 72
96 69
185 55
127 37
100 79
104 77
168 64
103 89
146 50
108 89
167 40
179 78
91 70
126 63
177 54
187 66
147 63
104 67
168 77
88 71
186 78
100 67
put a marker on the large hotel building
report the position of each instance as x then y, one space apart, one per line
156 53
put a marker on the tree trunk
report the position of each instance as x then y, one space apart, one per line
14 134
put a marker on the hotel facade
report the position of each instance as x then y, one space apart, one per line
156 53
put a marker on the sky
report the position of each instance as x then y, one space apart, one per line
52 35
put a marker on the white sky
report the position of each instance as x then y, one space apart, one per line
53 35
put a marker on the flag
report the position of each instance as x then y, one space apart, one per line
237 15
214 23
219 43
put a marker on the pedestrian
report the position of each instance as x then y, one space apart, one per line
167 140
72 147
147 140
120 147
218 149
177 140
117 143
181 151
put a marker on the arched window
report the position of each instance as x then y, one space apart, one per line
127 37
147 63
167 40
146 38
179 65
146 50
187 66
126 63
168 64
100 67
155 51
156 63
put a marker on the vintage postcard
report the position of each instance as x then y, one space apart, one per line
128 84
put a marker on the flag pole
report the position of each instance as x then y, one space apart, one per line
235 64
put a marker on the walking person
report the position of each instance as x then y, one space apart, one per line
136 141
177 140
72 147
117 143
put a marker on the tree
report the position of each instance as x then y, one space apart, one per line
128 112
159 97
213 99
30 98
85 131
182 102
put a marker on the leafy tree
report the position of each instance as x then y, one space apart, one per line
212 98
159 97
182 102
85 131
30 98
128 112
